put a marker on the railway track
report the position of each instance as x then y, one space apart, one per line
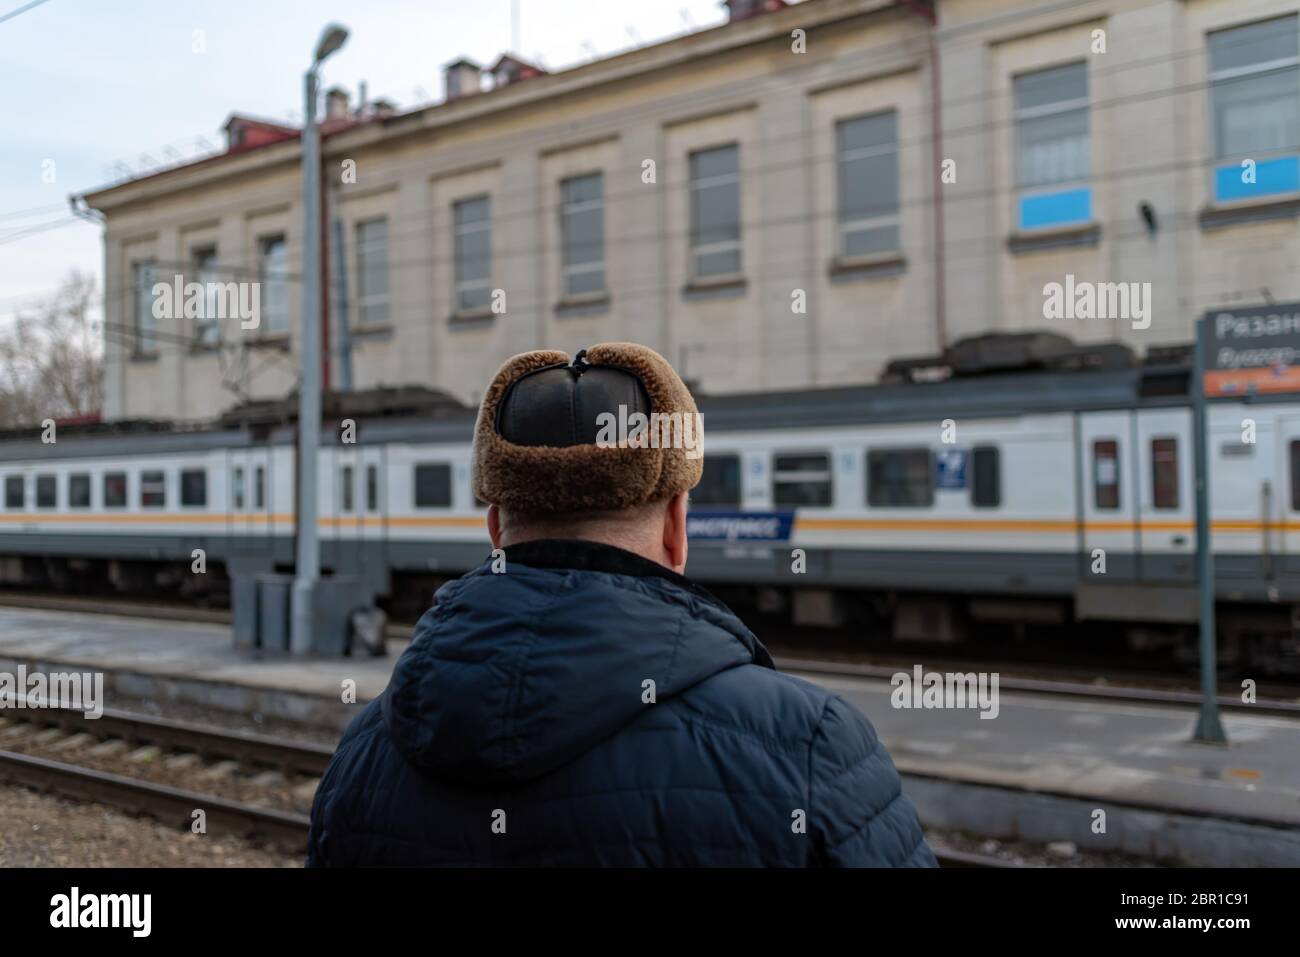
163 801
168 804
1074 689
176 806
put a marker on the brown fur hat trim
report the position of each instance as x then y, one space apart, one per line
545 479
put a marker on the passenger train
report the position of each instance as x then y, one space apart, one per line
1051 489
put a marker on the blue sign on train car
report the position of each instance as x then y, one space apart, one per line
950 468
739 526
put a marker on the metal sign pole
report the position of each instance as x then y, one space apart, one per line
1209 729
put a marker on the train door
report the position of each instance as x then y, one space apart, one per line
338 507
1166 496
1281 539
248 505
1248 485
372 511
1107 488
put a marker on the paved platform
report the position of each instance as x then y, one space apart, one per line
1066 757
196 663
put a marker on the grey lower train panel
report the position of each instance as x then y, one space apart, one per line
1239 578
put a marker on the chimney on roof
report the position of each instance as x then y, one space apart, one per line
463 78
510 69
336 103
744 9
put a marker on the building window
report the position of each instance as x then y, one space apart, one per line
372 488
582 222
345 488
1053 147
194 488
47 491
259 488
720 483
900 478
867 147
272 271
473 253
207 328
114 490
433 485
1164 472
715 212
372 272
146 324
1105 474
1255 107
986 477
802 479
153 489
79 490
15 492
237 488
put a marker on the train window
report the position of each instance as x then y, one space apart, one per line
1295 476
986 477
79 490
1105 473
900 478
259 487
47 491
345 488
114 490
14 491
153 489
803 479
720 482
372 488
1164 472
194 487
237 488
433 485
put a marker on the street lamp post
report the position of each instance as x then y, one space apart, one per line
307 568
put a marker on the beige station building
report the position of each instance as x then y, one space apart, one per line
791 199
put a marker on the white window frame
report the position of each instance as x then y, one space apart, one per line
370 300
727 245
566 209
870 222
463 286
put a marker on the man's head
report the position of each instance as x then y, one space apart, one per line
603 447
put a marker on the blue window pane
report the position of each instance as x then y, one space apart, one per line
1280 175
1056 209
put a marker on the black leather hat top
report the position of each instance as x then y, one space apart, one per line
560 405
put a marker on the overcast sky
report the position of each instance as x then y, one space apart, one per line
90 83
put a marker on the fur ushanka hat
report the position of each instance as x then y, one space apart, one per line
542 439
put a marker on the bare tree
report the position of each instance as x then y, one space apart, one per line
51 358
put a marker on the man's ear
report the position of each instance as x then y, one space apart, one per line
494 525
675 532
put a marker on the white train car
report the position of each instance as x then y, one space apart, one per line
1041 497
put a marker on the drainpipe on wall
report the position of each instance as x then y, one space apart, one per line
927 10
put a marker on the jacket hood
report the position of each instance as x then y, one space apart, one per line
510 676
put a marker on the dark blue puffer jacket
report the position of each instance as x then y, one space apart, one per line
518 729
